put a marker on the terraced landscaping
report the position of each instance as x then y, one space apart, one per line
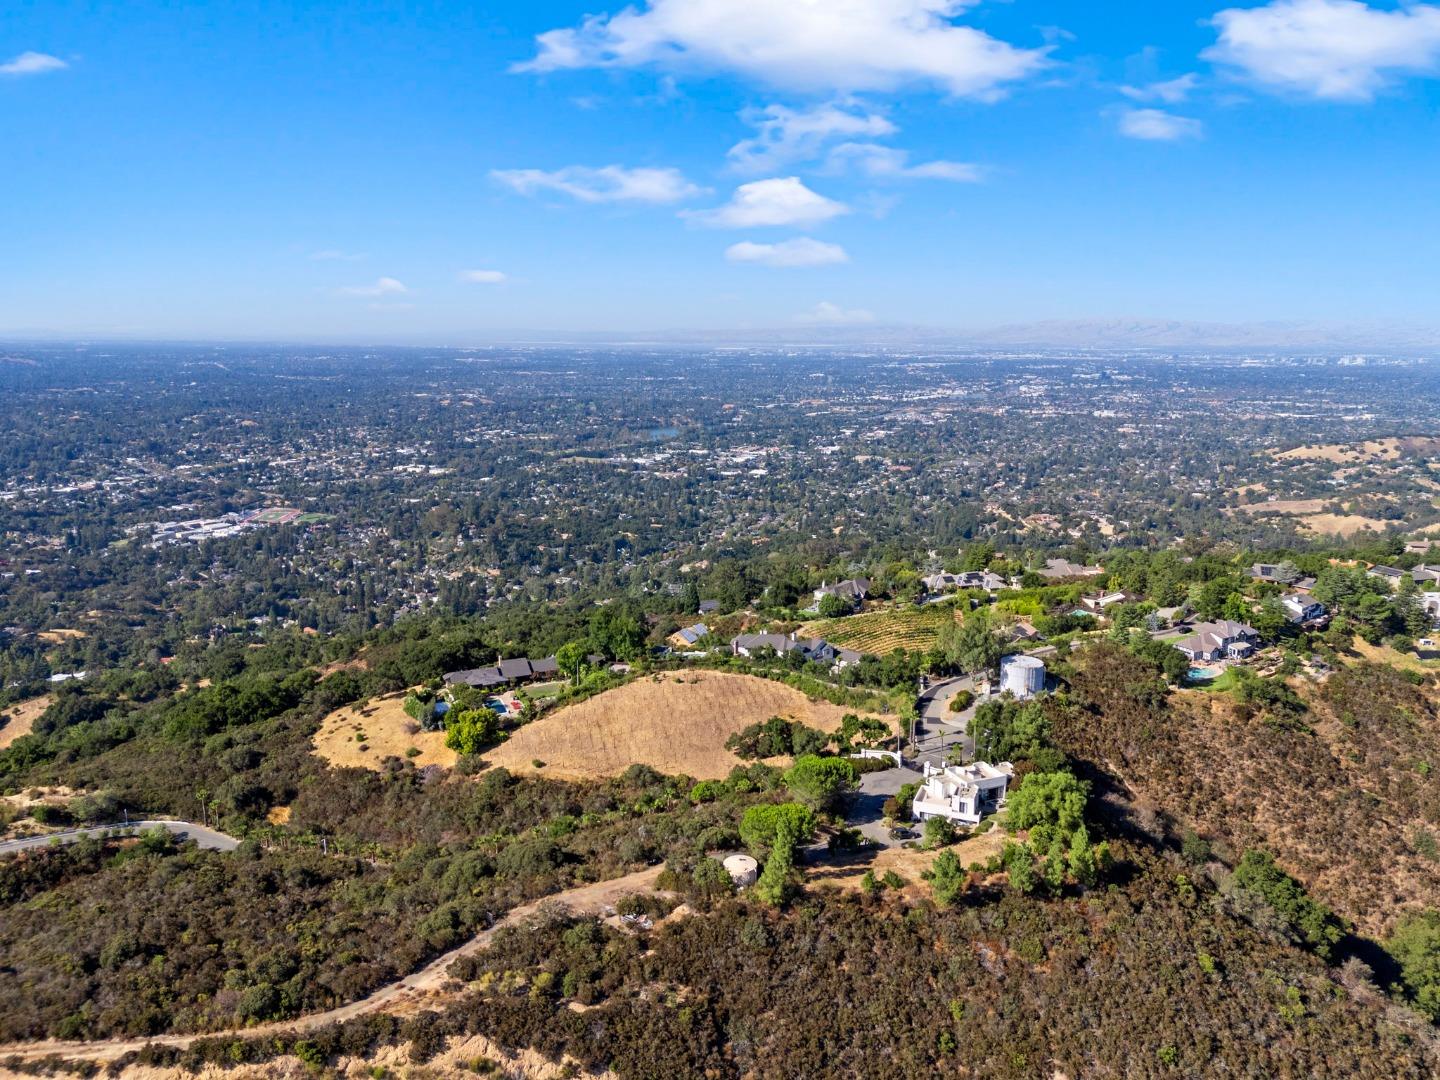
882 632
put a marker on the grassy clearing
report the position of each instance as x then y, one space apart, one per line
1382 654
20 718
881 632
1373 451
676 722
362 736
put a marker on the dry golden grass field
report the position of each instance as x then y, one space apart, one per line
677 723
909 863
387 732
1311 516
21 718
1374 451
882 632
59 635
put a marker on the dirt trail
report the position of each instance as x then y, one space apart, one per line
408 993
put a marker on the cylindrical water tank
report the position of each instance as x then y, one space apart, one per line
1023 676
743 870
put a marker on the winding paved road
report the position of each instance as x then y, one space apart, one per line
182 830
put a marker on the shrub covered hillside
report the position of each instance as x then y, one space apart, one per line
1342 792
1152 978
371 875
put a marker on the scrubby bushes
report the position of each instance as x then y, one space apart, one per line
775 738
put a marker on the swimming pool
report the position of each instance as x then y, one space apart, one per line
1202 674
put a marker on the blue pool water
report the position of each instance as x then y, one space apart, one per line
497 706
1200 674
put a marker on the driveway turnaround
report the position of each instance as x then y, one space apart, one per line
181 830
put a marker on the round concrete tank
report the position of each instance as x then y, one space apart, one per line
743 870
1023 676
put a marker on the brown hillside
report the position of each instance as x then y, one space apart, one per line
20 718
677 723
1343 807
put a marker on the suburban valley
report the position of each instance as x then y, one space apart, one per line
427 712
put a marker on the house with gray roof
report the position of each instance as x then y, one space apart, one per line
1219 641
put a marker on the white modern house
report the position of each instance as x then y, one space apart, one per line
964 794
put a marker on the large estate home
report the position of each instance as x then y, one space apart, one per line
1219 641
506 671
816 650
1064 568
963 794
935 584
852 589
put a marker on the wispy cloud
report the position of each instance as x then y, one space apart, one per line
784 135
836 46
606 184
32 63
778 201
788 254
890 163
483 277
385 286
827 314
1156 125
1169 92
1341 50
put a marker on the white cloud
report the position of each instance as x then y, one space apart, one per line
1171 91
482 277
1341 50
778 201
834 45
827 314
889 163
610 183
385 286
784 135
801 251
1157 125
331 255
32 63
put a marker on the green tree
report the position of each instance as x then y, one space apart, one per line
617 631
469 731
833 607
939 832
1312 922
1048 802
946 877
1415 945
570 656
974 647
777 880
762 824
818 782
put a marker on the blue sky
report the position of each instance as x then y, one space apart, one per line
443 171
